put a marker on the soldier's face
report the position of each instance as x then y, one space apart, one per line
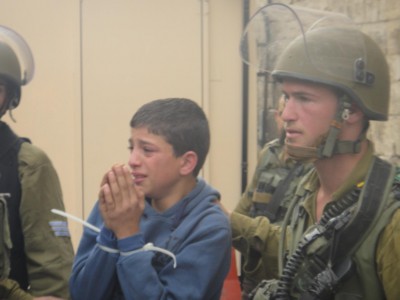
2 93
308 112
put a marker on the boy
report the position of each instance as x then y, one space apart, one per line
158 199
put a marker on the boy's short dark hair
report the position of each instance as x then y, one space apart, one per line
182 123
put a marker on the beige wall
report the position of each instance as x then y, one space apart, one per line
97 61
49 112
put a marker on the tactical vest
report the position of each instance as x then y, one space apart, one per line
10 184
274 180
5 239
363 284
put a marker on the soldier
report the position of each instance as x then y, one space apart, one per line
41 254
266 196
340 235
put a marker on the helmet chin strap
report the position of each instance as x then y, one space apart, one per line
11 116
328 145
7 107
3 109
301 154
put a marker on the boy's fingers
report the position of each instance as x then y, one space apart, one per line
114 186
123 185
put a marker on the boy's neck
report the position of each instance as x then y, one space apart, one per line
174 194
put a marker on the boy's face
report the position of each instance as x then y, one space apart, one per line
155 167
308 113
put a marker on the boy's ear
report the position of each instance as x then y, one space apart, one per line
189 162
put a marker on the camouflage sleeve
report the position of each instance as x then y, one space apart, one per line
244 205
257 233
10 290
48 246
266 159
388 258
253 236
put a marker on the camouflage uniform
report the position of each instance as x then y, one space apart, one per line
10 290
249 215
48 245
377 258
41 253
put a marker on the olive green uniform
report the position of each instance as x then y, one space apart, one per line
41 240
48 249
385 261
10 290
271 170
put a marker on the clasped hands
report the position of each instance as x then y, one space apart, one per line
121 203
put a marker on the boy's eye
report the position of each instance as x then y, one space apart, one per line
130 148
147 149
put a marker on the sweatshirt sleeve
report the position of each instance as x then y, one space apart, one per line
94 270
203 261
105 267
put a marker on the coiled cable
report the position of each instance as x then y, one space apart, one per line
327 222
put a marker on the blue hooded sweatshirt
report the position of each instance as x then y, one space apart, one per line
195 230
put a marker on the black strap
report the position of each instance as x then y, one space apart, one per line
373 192
347 239
10 145
326 278
8 139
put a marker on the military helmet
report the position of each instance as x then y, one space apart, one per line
9 65
16 63
344 58
323 47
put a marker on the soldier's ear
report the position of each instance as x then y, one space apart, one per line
355 114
